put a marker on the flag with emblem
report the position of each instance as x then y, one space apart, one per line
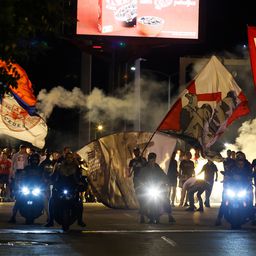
210 103
252 50
16 122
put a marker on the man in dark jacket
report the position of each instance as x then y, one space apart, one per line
134 169
172 175
32 173
66 175
152 173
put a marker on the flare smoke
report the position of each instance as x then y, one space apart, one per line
102 107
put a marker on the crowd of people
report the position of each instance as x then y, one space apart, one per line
182 174
44 167
52 167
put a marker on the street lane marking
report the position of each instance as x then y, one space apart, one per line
59 231
31 231
164 231
22 243
169 241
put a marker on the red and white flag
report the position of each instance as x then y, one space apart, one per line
211 102
252 50
16 122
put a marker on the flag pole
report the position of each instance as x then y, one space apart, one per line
158 128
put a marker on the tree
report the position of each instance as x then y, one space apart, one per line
27 28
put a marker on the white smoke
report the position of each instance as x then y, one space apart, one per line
59 97
245 140
101 107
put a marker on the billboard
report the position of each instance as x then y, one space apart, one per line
139 18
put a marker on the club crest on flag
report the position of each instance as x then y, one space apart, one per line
15 117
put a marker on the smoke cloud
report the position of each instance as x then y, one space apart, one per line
100 107
120 108
246 139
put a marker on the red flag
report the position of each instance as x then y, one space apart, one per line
211 102
252 50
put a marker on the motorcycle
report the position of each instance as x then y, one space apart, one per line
65 206
31 198
153 197
238 207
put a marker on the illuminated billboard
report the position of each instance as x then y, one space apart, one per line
139 18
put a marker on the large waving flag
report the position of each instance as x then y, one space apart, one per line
16 122
18 117
24 92
252 49
211 102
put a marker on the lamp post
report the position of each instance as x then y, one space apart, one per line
137 123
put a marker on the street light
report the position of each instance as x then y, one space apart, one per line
99 128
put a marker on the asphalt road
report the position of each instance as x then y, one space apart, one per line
117 232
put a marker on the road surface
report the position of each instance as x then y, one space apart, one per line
118 233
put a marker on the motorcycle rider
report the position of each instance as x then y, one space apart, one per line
240 172
152 172
66 174
32 173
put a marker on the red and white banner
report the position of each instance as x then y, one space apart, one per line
211 102
252 50
16 122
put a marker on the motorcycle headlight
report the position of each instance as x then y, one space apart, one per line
241 193
231 193
65 192
153 192
25 191
36 191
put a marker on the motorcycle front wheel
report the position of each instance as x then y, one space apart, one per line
65 220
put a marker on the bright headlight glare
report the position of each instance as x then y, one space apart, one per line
231 193
153 192
25 190
36 191
241 193
65 191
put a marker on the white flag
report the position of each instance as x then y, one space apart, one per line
16 122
